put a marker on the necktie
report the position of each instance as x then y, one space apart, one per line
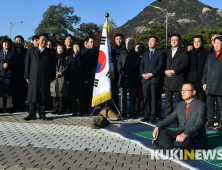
151 53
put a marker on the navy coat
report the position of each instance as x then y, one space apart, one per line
155 66
40 68
77 75
128 63
8 76
212 74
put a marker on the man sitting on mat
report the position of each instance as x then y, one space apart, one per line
191 114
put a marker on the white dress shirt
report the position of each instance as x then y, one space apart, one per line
174 51
41 50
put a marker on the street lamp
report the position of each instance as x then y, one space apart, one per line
166 12
12 26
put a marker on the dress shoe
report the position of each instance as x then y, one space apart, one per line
74 114
80 115
29 118
54 112
2 110
131 116
9 110
208 124
145 119
124 115
219 128
156 143
43 117
152 121
59 113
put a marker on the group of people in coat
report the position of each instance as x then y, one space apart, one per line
68 72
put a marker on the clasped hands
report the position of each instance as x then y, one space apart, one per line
169 73
180 138
147 76
5 66
58 74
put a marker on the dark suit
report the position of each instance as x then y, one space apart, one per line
151 87
193 126
173 84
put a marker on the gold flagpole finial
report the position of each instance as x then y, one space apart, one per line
107 15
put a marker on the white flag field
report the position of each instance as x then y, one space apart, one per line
104 70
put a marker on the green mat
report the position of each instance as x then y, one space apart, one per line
214 143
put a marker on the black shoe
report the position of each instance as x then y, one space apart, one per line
131 116
59 113
29 118
43 117
74 114
156 143
54 112
2 110
152 120
138 112
145 119
80 115
86 110
8 110
124 115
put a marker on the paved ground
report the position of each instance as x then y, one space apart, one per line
68 143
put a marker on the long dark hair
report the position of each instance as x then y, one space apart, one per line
142 46
62 55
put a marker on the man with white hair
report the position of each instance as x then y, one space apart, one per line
128 76
212 41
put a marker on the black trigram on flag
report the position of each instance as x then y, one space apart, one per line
103 41
96 82
108 74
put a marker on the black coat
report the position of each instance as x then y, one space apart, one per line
155 66
92 59
128 63
179 64
115 53
8 76
77 75
212 74
197 76
22 85
40 68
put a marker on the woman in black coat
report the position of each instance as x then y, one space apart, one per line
8 63
77 78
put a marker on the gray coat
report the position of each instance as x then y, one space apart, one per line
194 124
59 85
212 74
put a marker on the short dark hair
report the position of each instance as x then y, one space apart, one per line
177 35
68 35
62 45
157 39
5 39
43 34
78 43
191 83
91 37
50 41
198 36
35 37
19 36
142 46
119 35
86 39
188 44
218 38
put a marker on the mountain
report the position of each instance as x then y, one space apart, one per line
184 17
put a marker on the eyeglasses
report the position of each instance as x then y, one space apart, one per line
185 91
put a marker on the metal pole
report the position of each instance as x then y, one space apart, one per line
10 29
166 27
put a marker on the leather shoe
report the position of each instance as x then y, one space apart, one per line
29 118
152 120
124 115
54 112
208 124
43 117
219 128
145 119
131 116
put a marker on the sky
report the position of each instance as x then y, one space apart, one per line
30 12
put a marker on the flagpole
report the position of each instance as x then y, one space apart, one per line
107 16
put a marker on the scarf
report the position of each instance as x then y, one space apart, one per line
77 56
60 58
194 58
